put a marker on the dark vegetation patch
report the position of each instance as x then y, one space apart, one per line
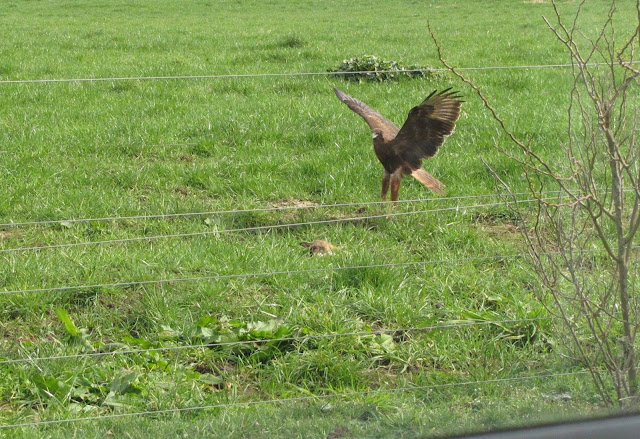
372 68
292 42
499 222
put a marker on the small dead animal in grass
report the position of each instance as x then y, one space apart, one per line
319 247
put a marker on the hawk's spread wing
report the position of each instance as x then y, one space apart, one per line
371 116
426 127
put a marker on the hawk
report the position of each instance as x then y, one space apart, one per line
401 150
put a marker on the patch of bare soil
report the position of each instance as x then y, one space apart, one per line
5 235
293 202
496 224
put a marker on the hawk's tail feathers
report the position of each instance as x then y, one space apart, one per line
428 180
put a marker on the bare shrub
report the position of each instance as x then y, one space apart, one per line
582 242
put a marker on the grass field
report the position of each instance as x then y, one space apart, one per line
121 148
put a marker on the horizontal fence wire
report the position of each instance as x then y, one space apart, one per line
264 209
507 196
301 338
286 74
290 272
254 228
278 273
299 399
459 324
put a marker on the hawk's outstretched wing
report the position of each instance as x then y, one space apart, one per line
426 127
371 116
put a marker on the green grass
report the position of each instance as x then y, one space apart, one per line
141 147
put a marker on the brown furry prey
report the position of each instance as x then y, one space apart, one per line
401 150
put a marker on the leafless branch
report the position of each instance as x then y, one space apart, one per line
599 205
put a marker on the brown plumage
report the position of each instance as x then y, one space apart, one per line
401 150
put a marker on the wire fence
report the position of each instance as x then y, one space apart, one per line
313 398
292 272
456 208
265 209
271 340
287 74
316 397
254 228
276 273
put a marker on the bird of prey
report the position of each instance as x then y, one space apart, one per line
401 150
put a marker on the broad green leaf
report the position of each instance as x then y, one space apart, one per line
124 384
69 326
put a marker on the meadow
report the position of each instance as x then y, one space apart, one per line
424 322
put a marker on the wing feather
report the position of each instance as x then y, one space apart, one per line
427 126
428 180
375 120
